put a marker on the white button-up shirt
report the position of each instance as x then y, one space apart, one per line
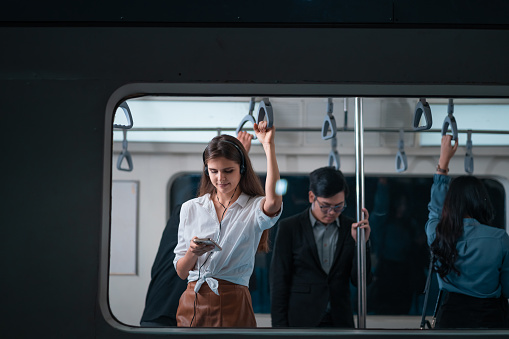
238 235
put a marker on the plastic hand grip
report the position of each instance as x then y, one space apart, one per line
334 159
401 162
129 117
450 121
469 158
421 108
127 156
401 159
246 118
329 121
265 110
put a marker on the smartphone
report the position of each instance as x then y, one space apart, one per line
208 241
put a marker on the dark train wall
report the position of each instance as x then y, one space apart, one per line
60 82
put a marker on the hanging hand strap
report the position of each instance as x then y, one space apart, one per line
247 118
422 107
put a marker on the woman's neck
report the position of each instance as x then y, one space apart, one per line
228 198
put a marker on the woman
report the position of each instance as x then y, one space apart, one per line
232 211
472 257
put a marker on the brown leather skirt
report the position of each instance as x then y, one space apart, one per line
231 308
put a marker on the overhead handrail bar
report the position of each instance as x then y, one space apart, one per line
125 155
247 118
306 129
128 116
469 157
422 107
334 155
450 121
329 121
401 159
265 110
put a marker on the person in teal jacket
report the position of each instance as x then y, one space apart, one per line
472 255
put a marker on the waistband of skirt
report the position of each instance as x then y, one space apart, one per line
223 285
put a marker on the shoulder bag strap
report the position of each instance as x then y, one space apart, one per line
425 322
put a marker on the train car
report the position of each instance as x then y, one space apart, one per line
86 209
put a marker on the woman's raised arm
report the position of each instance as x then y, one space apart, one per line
272 202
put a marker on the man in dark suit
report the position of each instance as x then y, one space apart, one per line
314 258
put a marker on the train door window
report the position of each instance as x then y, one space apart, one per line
176 127
166 146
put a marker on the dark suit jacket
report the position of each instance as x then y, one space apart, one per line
165 286
300 288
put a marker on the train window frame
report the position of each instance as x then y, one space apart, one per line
313 90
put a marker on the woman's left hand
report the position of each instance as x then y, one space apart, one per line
265 135
245 138
364 223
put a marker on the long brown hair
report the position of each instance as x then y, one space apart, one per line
222 146
467 196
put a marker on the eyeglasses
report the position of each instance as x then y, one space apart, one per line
326 208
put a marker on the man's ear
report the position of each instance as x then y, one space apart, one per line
311 197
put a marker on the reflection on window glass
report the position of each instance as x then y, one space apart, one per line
474 117
400 255
182 114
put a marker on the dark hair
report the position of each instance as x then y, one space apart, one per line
327 181
223 146
467 197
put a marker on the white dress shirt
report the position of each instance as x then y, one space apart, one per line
241 230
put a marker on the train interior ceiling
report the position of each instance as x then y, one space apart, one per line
156 165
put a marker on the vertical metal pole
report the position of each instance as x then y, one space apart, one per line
361 242
345 109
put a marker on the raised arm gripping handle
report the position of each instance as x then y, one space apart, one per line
265 110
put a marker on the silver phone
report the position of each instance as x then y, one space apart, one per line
208 241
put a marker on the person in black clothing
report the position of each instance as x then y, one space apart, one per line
314 258
399 244
165 286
